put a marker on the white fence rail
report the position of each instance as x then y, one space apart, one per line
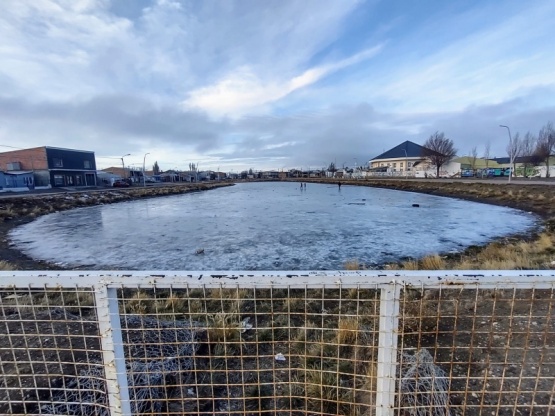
285 343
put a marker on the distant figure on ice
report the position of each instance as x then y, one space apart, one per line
339 184
301 186
305 185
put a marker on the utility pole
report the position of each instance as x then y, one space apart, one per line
144 160
512 155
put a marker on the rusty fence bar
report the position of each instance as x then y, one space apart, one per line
344 342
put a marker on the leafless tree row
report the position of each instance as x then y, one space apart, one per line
531 149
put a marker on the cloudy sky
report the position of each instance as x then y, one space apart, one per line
274 83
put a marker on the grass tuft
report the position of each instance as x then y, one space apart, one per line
347 331
434 262
353 265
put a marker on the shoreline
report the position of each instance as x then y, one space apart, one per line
17 210
536 245
536 199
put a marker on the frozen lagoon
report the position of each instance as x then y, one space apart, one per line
265 226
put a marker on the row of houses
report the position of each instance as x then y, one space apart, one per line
52 167
408 159
48 167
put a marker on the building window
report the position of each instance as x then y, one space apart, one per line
87 164
401 165
58 163
410 164
395 164
58 180
69 180
78 180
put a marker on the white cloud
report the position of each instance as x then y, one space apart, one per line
488 65
243 91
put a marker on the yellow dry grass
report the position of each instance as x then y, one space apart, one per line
347 331
433 262
4 265
353 264
410 265
223 327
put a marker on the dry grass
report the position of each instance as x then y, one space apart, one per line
4 265
410 265
434 262
353 264
539 253
139 304
223 327
347 331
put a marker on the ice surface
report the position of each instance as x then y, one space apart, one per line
265 226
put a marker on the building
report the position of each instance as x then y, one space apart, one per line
402 158
52 166
528 166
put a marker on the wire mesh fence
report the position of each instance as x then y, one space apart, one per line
318 344
49 338
254 351
477 351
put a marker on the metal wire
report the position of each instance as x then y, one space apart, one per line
479 347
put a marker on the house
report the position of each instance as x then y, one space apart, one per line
270 174
52 166
401 159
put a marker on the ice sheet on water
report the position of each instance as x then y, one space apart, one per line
265 226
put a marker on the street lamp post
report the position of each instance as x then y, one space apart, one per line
144 160
123 164
406 164
512 153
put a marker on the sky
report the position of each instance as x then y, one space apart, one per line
274 84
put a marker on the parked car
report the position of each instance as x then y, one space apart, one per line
120 184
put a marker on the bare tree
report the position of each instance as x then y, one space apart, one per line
487 149
473 157
439 150
546 145
514 149
528 153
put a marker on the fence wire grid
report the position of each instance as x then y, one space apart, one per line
343 343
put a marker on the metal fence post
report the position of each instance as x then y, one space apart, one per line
112 350
387 350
